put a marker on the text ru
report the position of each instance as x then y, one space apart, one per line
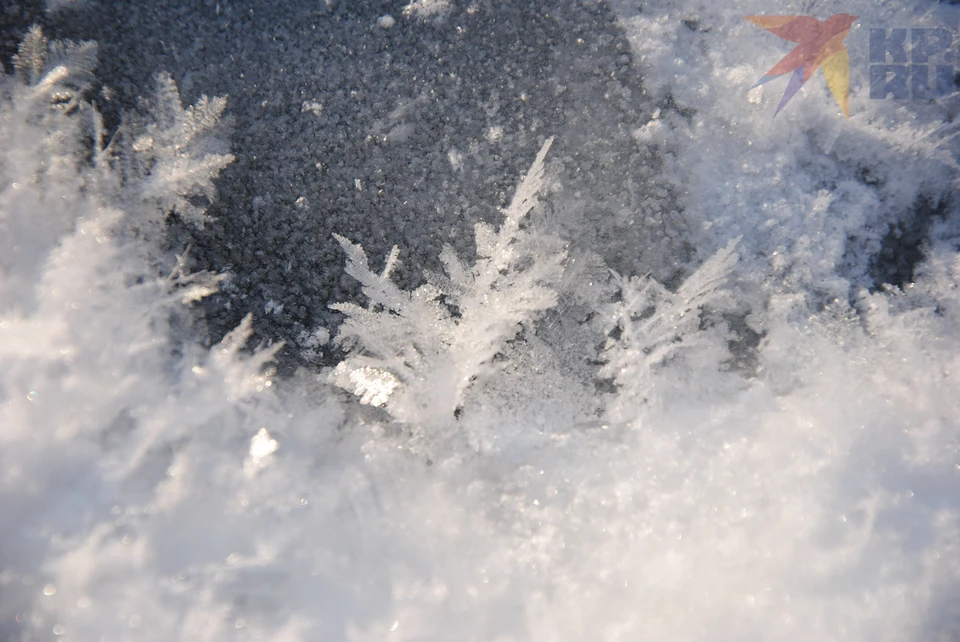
922 70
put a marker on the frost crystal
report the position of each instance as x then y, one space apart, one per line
262 446
426 8
176 152
655 325
373 386
31 56
436 341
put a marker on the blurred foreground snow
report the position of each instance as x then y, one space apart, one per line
767 451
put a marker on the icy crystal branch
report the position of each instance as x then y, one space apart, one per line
417 353
177 154
655 325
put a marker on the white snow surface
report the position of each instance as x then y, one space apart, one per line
152 488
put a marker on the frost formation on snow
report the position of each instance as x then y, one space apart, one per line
553 452
417 353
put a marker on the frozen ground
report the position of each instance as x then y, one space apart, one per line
747 431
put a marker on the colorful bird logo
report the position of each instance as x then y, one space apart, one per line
818 44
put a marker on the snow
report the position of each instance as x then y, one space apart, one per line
697 382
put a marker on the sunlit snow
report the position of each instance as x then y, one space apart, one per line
709 395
